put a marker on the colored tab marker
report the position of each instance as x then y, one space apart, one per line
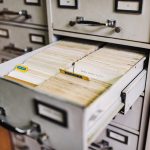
21 68
75 75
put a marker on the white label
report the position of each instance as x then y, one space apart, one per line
36 38
32 1
50 113
3 33
117 136
67 3
132 6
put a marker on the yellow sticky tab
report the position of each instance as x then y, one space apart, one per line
74 75
21 68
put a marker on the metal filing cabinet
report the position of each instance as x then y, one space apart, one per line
24 11
111 22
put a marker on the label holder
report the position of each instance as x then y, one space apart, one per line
32 3
63 123
108 133
31 35
68 7
6 31
139 11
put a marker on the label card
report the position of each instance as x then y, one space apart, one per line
129 6
4 33
51 113
32 2
35 38
117 136
68 4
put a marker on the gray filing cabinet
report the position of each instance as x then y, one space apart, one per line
121 134
24 11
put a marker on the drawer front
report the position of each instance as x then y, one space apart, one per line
35 8
29 37
101 11
133 114
118 139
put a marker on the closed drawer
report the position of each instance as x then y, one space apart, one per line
117 139
62 117
101 12
35 10
22 37
133 114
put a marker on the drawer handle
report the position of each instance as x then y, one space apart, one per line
33 131
11 47
4 123
109 23
24 13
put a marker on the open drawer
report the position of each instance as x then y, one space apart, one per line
58 107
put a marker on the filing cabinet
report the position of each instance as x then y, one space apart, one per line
118 139
24 11
11 46
98 21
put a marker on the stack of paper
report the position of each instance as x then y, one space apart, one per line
107 64
48 62
102 68
73 89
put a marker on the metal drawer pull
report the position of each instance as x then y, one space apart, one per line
33 131
12 47
102 145
4 123
24 13
109 23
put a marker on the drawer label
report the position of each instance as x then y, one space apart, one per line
32 2
68 4
4 33
133 6
128 6
35 38
117 136
51 113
